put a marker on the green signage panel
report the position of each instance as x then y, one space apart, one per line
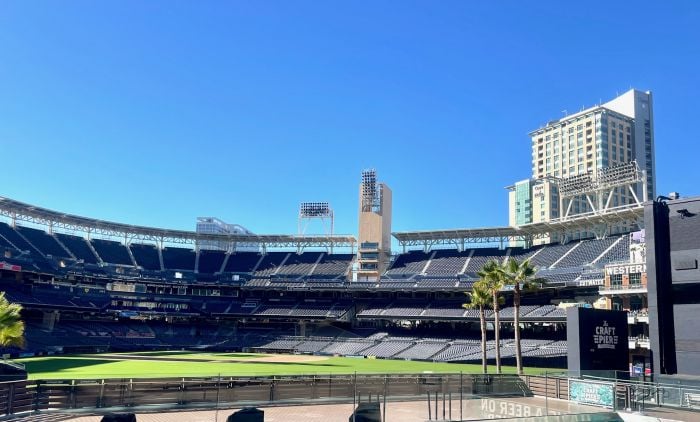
596 393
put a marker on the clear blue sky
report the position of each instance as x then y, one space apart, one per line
155 112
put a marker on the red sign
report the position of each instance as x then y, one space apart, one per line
11 267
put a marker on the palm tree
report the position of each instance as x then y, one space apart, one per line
480 298
491 276
11 325
521 275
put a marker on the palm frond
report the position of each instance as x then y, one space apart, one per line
11 325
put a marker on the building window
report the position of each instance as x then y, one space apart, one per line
635 279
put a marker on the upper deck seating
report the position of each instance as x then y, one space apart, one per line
333 265
178 258
447 262
44 242
111 251
13 237
299 264
242 262
79 247
210 261
146 256
270 263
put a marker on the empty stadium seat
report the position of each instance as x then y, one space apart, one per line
146 256
111 251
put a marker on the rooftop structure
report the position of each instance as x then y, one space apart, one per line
213 225
20 211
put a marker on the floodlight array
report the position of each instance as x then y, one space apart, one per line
370 191
618 175
315 209
609 177
575 185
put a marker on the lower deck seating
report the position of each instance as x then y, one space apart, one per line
78 334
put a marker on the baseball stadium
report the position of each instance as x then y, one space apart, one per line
581 308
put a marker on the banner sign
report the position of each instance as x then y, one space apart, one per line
597 341
595 393
5 266
625 269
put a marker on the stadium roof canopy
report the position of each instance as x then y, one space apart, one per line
19 211
593 222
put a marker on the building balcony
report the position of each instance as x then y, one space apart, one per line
639 343
637 317
623 289
369 246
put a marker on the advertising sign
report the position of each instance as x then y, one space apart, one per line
597 341
595 393
626 269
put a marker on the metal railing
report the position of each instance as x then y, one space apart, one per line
630 393
143 394
623 287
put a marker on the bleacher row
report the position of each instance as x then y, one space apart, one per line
554 258
83 298
448 350
442 268
442 310
44 247
76 335
66 297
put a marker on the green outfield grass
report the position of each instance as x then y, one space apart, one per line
226 364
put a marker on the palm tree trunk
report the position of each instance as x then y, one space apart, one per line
516 323
482 318
497 331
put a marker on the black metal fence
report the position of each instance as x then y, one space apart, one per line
208 392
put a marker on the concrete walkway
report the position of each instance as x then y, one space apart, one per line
415 411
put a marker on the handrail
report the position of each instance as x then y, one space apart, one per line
14 364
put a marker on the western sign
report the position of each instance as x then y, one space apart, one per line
626 269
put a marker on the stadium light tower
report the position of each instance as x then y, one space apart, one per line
598 190
310 211
375 227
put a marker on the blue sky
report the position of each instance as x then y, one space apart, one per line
155 113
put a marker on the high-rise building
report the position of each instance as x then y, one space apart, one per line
638 105
614 133
533 201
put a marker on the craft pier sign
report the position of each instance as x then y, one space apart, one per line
597 341
605 337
